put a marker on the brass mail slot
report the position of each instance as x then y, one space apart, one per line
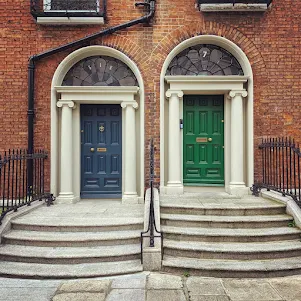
101 149
200 139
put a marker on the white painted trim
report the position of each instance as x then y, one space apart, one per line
69 20
248 74
105 95
239 7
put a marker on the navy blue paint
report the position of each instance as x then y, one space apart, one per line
101 170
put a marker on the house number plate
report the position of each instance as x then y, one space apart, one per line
101 149
201 139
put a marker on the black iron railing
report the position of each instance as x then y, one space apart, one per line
152 230
15 190
281 161
71 8
268 2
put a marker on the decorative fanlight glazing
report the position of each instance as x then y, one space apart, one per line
100 71
204 59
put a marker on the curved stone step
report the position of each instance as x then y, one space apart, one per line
251 221
59 271
69 255
84 224
71 239
223 209
233 268
238 251
230 235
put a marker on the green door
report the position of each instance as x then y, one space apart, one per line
203 140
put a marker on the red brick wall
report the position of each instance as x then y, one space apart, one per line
271 41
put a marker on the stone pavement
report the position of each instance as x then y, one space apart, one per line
148 286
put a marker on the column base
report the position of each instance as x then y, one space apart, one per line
238 189
174 188
130 198
66 198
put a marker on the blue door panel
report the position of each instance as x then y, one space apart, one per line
101 151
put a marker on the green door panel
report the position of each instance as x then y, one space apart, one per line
203 121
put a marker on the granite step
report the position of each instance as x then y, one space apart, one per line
239 251
68 271
232 268
230 235
87 224
69 255
216 221
71 239
222 209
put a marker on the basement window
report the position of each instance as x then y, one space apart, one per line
234 5
68 12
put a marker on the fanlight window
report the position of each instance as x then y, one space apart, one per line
100 71
204 59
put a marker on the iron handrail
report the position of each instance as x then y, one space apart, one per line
281 160
15 189
152 227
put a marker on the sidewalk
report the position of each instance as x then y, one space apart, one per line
152 287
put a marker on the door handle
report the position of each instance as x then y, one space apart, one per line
92 149
209 139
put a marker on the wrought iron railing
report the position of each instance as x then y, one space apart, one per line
281 161
268 2
15 190
152 230
71 8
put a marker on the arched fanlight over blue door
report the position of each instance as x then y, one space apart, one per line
100 71
204 59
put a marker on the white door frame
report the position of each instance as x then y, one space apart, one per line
129 98
176 86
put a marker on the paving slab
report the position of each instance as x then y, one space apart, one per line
205 286
164 281
80 297
288 288
26 294
165 295
126 295
251 290
132 281
209 298
100 286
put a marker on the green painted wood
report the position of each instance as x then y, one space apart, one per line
203 161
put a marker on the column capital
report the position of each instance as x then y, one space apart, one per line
178 93
242 93
134 104
68 103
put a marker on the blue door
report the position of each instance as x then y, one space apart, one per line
101 151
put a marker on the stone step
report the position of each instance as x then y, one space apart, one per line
237 251
59 271
251 221
71 239
222 209
69 255
230 235
79 225
232 268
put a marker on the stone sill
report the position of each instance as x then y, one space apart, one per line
239 7
69 20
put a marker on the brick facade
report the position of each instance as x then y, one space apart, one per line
271 41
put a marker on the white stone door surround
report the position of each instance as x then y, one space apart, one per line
65 128
238 115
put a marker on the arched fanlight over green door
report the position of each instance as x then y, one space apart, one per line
100 71
204 59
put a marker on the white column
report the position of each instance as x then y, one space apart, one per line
174 183
130 173
66 172
237 184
